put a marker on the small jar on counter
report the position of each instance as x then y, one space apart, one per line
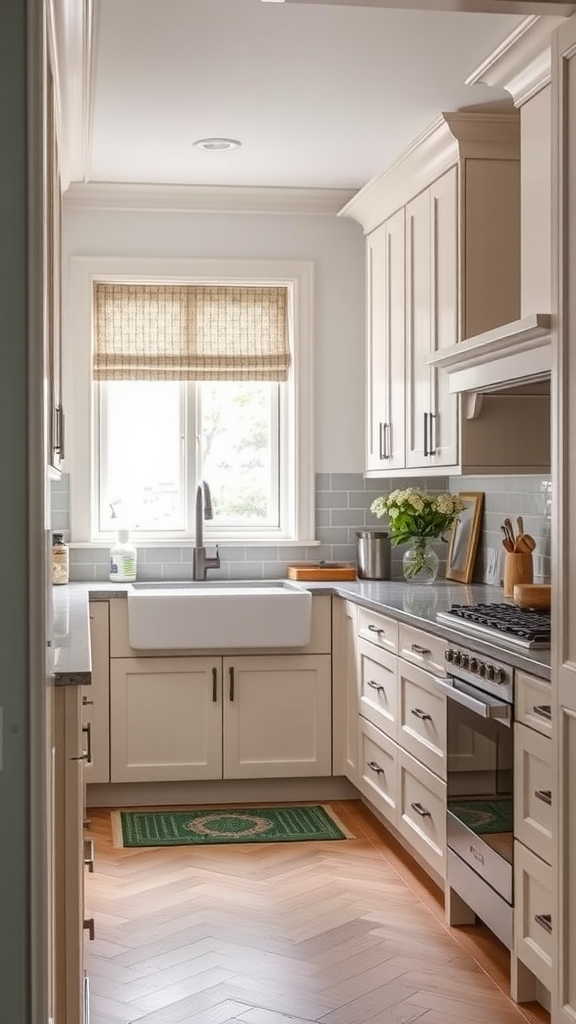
60 560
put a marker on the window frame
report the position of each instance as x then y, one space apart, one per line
296 412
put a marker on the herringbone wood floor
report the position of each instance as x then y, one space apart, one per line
341 932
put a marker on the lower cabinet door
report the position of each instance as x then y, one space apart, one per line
533 796
165 719
277 716
378 769
422 810
69 854
533 921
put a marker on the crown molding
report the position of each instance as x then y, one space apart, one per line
451 137
205 199
521 64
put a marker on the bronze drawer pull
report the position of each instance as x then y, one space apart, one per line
421 714
418 649
87 755
377 629
545 795
89 855
545 922
375 686
231 674
421 810
543 710
376 767
215 685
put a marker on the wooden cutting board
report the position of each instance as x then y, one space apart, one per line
321 571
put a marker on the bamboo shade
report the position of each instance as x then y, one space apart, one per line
190 332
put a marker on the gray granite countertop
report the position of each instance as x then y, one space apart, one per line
416 605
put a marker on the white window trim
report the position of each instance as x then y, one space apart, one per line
78 401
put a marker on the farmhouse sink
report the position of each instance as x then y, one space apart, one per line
218 614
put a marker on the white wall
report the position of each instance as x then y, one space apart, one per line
336 246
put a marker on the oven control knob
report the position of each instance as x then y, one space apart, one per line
473 664
449 655
481 669
490 672
499 676
464 661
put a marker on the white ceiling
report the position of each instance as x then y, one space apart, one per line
319 95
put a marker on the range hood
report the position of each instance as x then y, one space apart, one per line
515 354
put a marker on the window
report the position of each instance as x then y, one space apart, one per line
162 414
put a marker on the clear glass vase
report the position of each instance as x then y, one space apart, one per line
420 561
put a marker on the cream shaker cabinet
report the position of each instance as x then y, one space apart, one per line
165 719
345 694
385 422
71 756
456 190
563 695
277 720
210 718
96 697
431 323
186 716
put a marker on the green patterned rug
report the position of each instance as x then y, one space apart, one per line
207 826
484 816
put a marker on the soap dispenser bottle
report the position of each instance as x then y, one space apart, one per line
123 559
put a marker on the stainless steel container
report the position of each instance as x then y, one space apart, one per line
373 555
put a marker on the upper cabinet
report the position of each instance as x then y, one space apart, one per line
442 231
54 412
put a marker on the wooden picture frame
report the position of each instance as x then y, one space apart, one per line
464 538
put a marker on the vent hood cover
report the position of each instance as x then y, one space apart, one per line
516 353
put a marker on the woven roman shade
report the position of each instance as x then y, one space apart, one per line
190 332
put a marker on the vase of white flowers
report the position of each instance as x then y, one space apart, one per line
418 518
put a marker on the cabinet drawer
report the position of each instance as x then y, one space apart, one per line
533 939
422 810
378 687
533 798
421 718
533 702
378 775
422 649
379 629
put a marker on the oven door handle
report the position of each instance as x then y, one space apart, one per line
482 704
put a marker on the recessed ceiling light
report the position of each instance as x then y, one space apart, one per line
216 145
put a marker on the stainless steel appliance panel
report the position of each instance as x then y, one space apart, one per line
474 849
494 911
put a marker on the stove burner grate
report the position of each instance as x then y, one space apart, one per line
507 620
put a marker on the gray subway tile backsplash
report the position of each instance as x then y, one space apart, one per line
342 508
528 496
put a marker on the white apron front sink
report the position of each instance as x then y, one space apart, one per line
218 615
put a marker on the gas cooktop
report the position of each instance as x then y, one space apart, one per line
504 622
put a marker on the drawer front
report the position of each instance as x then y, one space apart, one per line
378 687
422 649
533 702
533 798
421 718
378 629
378 769
533 939
422 810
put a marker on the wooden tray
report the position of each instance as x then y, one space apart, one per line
321 571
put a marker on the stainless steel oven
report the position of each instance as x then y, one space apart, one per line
480 763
